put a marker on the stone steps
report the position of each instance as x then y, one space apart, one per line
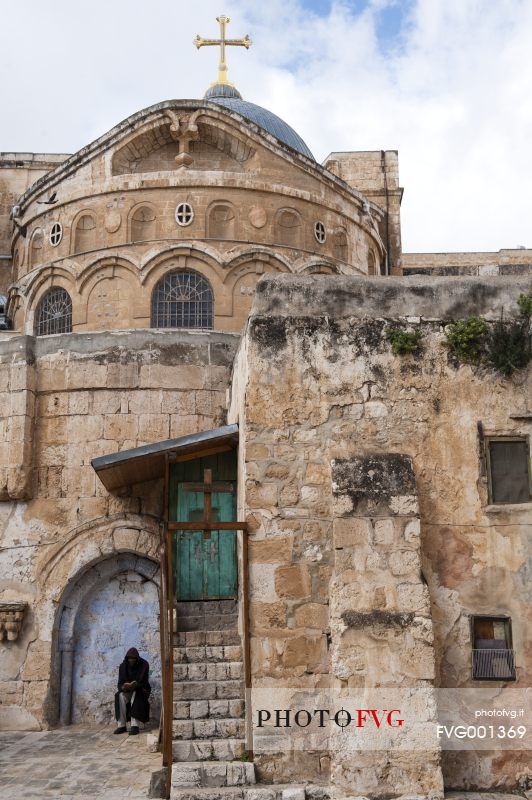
208 749
264 792
224 638
217 728
209 671
209 690
211 615
208 709
207 654
213 774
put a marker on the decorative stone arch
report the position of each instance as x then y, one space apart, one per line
185 260
50 278
141 223
288 227
242 273
316 266
76 593
107 290
89 275
72 568
263 255
221 220
36 247
83 232
320 269
183 256
182 298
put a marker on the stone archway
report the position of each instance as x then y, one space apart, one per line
110 606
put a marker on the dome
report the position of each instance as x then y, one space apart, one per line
226 95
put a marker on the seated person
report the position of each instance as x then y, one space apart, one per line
131 699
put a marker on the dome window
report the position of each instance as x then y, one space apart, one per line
184 214
319 232
54 313
56 234
182 300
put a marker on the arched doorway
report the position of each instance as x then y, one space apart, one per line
111 606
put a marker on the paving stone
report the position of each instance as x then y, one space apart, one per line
75 764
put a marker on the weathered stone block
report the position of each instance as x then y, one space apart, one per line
351 531
312 615
293 581
264 616
403 562
275 550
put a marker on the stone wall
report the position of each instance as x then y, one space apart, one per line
67 399
322 401
503 262
376 174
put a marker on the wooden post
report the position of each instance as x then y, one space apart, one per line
246 637
168 655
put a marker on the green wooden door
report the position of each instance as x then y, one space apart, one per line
205 564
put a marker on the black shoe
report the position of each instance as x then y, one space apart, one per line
120 730
133 731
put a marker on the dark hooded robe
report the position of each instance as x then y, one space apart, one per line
139 672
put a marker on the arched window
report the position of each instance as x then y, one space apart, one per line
85 234
36 248
143 224
288 228
340 244
182 300
54 313
221 222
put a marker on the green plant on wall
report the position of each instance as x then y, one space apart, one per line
509 344
524 301
505 346
404 342
465 339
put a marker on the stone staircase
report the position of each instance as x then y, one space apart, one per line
209 748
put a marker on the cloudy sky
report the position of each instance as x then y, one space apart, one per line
448 83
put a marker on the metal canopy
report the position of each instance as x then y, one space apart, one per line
148 462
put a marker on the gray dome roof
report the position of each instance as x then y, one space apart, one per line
228 96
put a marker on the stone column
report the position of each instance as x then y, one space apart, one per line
67 663
381 628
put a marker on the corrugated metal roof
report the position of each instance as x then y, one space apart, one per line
147 463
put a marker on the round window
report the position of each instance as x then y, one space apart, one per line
56 234
184 214
319 232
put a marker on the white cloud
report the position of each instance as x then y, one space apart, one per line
453 95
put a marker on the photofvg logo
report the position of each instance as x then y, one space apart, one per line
412 719
322 717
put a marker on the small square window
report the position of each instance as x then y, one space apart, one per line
493 656
508 462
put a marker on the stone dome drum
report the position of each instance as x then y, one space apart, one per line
229 97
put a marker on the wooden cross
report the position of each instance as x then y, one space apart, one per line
222 43
207 488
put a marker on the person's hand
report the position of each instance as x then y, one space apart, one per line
126 687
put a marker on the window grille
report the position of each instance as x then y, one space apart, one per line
492 656
319 232
182 300
56 234
509 470
54 313
184 214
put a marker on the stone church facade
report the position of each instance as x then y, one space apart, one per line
194 283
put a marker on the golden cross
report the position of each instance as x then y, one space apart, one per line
222 42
